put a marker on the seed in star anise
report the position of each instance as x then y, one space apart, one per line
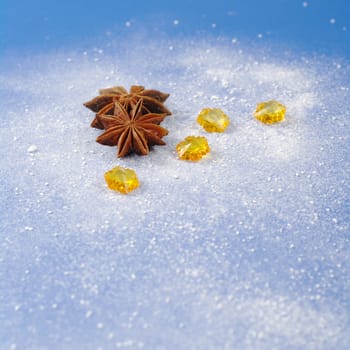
132 131
105 103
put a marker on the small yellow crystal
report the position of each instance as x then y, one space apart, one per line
213 119
193 148
270 112
121 179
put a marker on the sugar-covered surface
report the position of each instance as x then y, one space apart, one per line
247 249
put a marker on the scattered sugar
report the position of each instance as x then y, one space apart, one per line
248 248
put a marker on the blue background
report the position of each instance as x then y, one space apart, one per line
65 284
42 25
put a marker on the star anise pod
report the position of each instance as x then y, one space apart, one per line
132 131
104 104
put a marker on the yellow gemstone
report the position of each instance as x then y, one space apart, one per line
121 179
213 119
193 148
270 112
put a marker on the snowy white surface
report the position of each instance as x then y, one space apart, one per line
247 249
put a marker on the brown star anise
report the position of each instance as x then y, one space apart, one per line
104 104
132 131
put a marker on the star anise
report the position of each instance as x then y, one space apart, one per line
132 131
104 104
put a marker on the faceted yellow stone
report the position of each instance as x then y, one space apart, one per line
121 179
213 119
270 112
193 148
